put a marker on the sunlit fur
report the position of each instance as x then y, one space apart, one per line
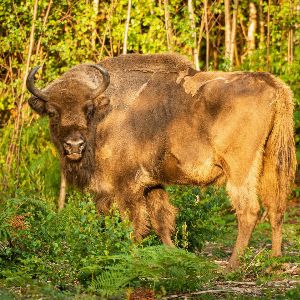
161 122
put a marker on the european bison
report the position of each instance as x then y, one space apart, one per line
138 122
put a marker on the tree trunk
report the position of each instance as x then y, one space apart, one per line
201 29
107 29
207 36
192 25
126 28
291 46
252 27
169 31
227 29
38 47
268 36
94 22
62 193
233 31
291 36
261 26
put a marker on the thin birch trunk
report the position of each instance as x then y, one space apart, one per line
38 46
168 26
236 54
227 29
207 36
14 146
107 29
126 28
261 26
252 27
192 25
153 4
94 23
291 37
62 193
245 34
291 46
201 30
268 36
217 47
233 31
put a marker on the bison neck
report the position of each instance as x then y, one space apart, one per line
79 173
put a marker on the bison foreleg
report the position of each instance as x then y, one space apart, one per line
132 203
162 213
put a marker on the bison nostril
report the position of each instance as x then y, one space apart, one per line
71 145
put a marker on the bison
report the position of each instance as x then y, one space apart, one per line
128 127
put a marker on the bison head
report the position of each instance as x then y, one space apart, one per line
74 104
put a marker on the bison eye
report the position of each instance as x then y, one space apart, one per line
52 113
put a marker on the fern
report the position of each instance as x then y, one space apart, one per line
158 267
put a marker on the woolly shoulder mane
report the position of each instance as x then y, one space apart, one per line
162 63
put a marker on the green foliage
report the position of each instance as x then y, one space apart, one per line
37 170
203 215
160 268
79 249
38 243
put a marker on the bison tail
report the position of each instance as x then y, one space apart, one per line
279 163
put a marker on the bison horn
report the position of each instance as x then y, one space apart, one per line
105 83
32 88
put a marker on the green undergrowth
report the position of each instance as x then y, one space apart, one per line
79 254
36 172
78 249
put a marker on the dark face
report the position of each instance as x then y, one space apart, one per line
70 126
74 104
73 117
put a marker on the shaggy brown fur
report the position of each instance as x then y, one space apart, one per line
161 122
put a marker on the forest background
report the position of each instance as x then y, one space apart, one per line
261 35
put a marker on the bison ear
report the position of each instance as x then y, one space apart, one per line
38 105
102 107
102 102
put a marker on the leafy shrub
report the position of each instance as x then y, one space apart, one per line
202 217
39 243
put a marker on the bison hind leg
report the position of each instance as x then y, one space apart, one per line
244 198
274 200
247 209
162 214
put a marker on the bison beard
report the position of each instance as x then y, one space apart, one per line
79 173
170 124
